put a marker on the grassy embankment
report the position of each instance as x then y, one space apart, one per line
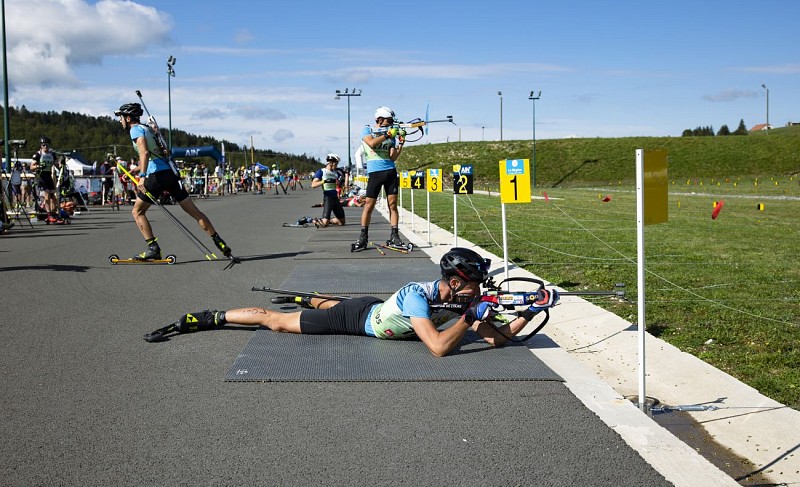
725 290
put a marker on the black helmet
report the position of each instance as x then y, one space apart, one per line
130 109
44 140
465 264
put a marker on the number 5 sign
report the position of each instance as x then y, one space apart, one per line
515 181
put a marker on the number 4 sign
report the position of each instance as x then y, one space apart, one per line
515 181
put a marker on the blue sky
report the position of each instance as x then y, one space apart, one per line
268 70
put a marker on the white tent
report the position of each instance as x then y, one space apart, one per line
78 168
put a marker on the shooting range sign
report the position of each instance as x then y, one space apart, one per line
405 180
515 181
418 180
462 179
434 181
655 187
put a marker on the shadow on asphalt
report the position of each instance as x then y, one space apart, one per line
47 267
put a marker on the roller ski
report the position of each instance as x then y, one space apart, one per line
188 323
115 259
361 243
396 243
151 256
404 249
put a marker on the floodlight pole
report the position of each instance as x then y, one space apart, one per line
533 159
6 163
347 94
170 74
500 94
763 85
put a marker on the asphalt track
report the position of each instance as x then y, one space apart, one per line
86 401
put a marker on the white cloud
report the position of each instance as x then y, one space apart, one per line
282 135
47 39
208 114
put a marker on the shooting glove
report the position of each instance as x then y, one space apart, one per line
392 132
547 298
478 312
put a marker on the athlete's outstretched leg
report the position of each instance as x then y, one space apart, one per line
190 208
274 320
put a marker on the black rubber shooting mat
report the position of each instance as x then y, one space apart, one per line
285 357
370 278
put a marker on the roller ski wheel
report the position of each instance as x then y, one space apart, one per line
169 260
358 246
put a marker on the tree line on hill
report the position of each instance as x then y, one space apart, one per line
709 131
97 138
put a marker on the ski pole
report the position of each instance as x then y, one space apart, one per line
208 253
299 293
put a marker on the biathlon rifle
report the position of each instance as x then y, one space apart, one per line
160 142
413 127
508 300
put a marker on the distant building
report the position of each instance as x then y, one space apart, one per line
761 126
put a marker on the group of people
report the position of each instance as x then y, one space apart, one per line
409 312
412 311
49 178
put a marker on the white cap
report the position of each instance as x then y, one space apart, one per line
384 112
333 157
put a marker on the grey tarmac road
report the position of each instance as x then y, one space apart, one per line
86 401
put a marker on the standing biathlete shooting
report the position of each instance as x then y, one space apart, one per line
156 176
382 146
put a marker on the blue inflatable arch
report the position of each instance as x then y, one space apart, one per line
205 151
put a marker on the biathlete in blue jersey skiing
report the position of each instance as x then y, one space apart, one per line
156 176
410 312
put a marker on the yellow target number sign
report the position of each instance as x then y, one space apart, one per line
405 180
515 181
434 181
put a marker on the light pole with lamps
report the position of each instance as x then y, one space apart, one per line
533 159
348 94
500 94
170 74
763 85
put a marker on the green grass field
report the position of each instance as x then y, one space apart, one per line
725 290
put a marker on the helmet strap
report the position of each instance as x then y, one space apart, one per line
454 296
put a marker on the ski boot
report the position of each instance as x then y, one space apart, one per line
396 243
153 252
226 251
296 300
361 243
395 240
203 320
190 322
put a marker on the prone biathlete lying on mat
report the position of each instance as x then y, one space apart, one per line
411 311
